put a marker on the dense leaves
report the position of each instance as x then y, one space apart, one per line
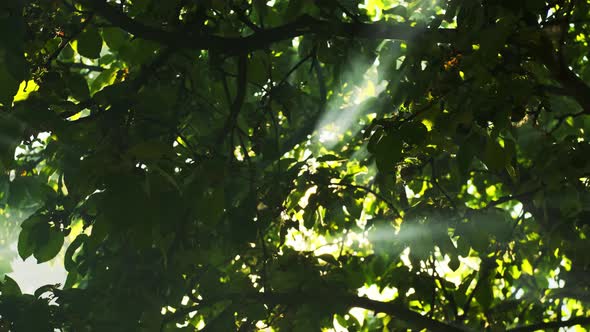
297 165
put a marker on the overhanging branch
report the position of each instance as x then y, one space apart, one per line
398 311
263 38
236 106
552 325
572 84
305 24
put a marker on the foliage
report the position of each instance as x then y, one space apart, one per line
240 165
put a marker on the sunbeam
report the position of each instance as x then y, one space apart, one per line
343 120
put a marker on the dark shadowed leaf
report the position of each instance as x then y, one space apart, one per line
89 43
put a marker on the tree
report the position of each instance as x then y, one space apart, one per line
231 165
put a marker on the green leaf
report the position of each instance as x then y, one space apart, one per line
43 289
67 53
151 150
13 68
8 86
25 245
372 144
89 43
494 155
31 221
526 267
388 152
328 258
106 78
69 263
9 287
46 251
220 214
257 69
78 86
309 215
115 38
210 206
11 131
494 223
26 239
413 132
462 292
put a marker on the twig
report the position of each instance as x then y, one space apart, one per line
562 118
345 10
440 188
67 40
371 191
239 99
509 198
294 68
259 40
446 293
79 65
397 310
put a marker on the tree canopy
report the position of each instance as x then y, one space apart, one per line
297 165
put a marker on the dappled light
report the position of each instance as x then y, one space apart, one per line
294 165
343 119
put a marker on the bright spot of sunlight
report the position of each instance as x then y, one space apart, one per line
340 119
25 88
29 275
373 293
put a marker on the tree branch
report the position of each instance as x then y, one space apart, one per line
65 41
572 83
581 320
370 191
79 65
261 39
399 311
515 197
562 118
306 24
236 106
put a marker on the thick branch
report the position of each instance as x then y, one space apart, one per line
263 38
574 86
236 106
515 197
303 25
398 311
552 325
